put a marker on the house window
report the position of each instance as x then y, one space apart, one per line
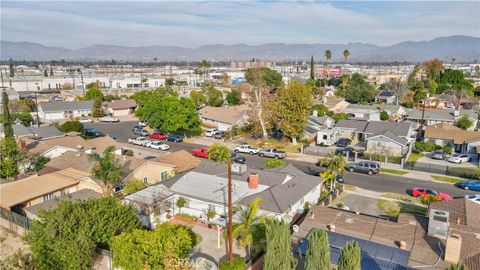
145 180
48 197
164 175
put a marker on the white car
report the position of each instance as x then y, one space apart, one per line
142 141
211 132
142 123
458 158
245 148
85 120
158 145
108 119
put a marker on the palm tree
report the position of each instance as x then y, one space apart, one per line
346 54
218 153
107 169
335 167
243 231
328 55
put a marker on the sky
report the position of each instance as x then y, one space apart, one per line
78 24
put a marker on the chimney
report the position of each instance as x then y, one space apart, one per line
331 227
315 113
402 244
253 180
452 248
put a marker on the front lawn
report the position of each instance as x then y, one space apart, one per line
446 179
393 209
392 171
415 156
283 145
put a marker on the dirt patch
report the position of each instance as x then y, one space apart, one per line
10 242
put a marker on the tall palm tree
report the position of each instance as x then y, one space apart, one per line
107 169
346 54
218 153
243 231
335 167
328 55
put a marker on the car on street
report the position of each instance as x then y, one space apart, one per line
245 148
343 142
142 123
220 135
109 119
458 158
368 167
158 136
174 138
158 145
140 132
85 120
438 154
340 178
272 153
142 141
92 132
238 158
200 152
422 192
211 132
469 185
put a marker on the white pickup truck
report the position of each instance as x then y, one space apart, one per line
142 141
245 148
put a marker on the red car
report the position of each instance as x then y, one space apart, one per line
422 192
200 152
158 136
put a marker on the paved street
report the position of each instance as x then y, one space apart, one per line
379 183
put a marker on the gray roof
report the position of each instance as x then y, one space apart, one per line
83 194
19 130
56 106
357 125
361 108
46 132
392 108
316 124
399 129
388 134
440 115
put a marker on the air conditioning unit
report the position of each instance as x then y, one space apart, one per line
238 169
438 223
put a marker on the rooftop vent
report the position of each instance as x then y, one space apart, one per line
438 223
239 169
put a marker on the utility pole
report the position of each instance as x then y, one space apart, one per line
36 109
230 240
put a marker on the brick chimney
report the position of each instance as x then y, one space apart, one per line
253 180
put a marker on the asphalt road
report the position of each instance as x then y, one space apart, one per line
379 183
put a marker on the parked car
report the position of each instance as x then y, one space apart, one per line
245 148
368 167
142 141
458 158
158 145
344 151
237 158
343 142
85 120
422 192
200 152
140 132
109 119
142 123
438 154
469 185
340 178
220 135
158 136
272 153
211 132
92 132
174 138
56 98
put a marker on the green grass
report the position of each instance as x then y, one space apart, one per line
446 179
415 156
350 187
392 171
187 216
401 197
392 208
413 209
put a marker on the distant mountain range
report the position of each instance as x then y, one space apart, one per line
463 48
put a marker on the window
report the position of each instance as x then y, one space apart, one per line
48 197
164 175
145 180
324 137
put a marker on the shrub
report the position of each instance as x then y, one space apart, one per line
384 116
133 186
237 264
427 200
427 146
464 123
129 153
447 149
187 216
72 126
274 163
381 158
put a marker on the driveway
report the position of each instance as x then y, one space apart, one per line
427 159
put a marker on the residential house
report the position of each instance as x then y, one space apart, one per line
59 110
224 118
120 107
362 112
334 104
437 116
396 112
386 97
316 124
388 138
55 147
461 141
448 101
41 188
351 129
101 143
39 133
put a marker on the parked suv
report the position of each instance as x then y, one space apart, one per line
343 142
367 167
438 154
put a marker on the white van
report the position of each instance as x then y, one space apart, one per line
211 132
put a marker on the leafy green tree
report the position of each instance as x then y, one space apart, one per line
39 162
359 91
447 148
172 114
234 97
10 157
181 202
66 237
321 109
25 118
214 96
340 116
328 55
464 122
292 107
69 126
107 169
148 96
278 254
19 260
270 78
312 69
336 166
94 93
274 163
384 116
141 249
218 153
12 68
198 98
433 68
346 54
349 257
318 251
243 231
97 110
133 185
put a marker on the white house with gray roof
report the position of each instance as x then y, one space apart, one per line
58 110
437 116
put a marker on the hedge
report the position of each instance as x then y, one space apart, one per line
274 163
187 216
427 146
381 158
472 173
